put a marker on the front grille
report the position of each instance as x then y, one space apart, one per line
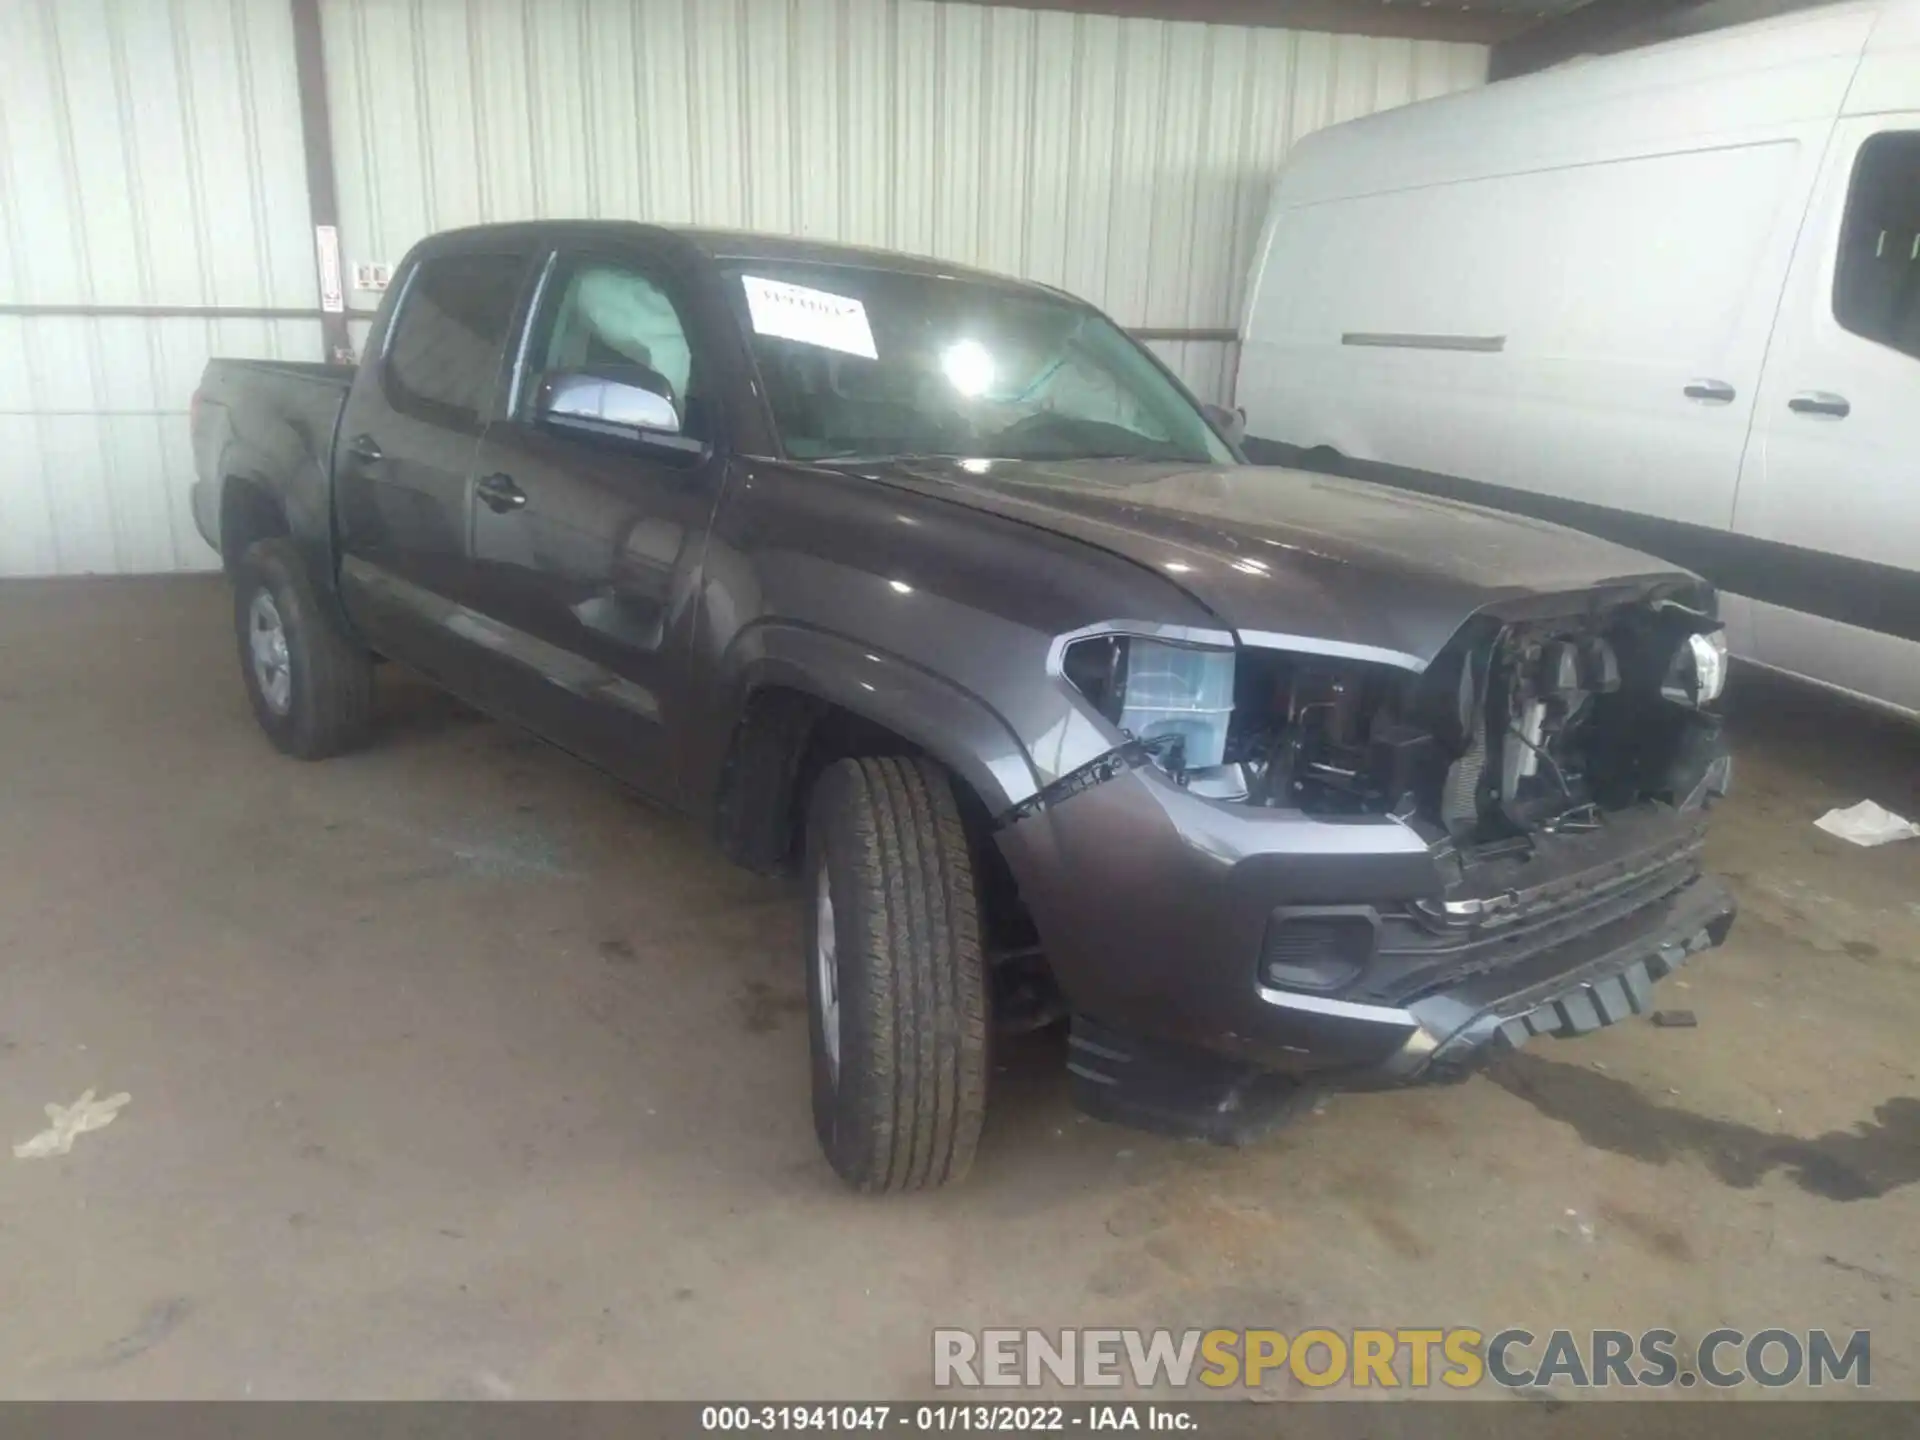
1420 954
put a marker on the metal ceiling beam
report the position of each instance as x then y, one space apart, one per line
1598 27
1397 19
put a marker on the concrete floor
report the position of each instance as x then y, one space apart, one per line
456 1072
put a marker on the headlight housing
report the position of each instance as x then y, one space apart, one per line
1154 688
1698 671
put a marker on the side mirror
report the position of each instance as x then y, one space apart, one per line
1232 424
627 402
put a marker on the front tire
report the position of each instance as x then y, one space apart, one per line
896 984
310 684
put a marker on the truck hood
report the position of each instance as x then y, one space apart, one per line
1281 554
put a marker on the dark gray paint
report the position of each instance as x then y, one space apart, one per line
631 609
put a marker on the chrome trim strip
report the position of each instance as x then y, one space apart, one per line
1341 649
1092 1076
1080 1042
1486 344
1145 629
517 377
399 308
1054 765
1340 1009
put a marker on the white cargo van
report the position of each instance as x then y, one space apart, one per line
1671 297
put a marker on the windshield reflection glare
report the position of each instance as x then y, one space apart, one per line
875 364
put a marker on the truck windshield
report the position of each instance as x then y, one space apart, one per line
878 364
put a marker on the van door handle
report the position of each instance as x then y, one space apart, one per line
499 494
365 450
1713 392
1820 402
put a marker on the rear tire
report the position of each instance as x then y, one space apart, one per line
310 684
897 992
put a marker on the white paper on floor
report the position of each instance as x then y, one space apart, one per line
83 1115
1867 824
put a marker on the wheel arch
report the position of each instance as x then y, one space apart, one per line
250 510
802 698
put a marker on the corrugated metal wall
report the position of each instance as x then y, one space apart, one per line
1127 160
153 157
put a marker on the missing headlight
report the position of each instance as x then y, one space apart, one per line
1332 736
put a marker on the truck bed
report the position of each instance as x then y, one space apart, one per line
269 423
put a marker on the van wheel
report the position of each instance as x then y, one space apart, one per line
311 685
896 986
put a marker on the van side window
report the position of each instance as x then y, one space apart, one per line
1876 282
444 354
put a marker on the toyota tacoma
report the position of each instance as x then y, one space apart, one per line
938 591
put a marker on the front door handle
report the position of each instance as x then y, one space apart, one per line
1820 402
499 494
365 449
1713 392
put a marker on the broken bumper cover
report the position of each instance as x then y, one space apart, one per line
1598 980
1154 905
1176 1089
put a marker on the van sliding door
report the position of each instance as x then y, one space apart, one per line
1827 526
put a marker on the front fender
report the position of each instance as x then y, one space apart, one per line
952 725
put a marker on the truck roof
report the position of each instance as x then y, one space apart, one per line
728 245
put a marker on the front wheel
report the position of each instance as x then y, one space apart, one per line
896 985
311 685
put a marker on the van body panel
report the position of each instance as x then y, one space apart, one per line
1847 486
1590 294
1889 75
1584 349
1862 663
1698 93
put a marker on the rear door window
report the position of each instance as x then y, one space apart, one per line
1876 281
443 358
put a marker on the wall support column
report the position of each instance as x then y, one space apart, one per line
316 134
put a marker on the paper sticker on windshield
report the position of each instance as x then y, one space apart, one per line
813 317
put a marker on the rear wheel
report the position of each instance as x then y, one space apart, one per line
310 684
896 984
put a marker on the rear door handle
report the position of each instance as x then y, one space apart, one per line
499 494
1713 392
365 449
1820 402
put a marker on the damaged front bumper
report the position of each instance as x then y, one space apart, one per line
1600 979
1166 917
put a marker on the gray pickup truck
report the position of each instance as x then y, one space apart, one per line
936 589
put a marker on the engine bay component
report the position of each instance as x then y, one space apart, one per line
1327 735
1698 671
1520 726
